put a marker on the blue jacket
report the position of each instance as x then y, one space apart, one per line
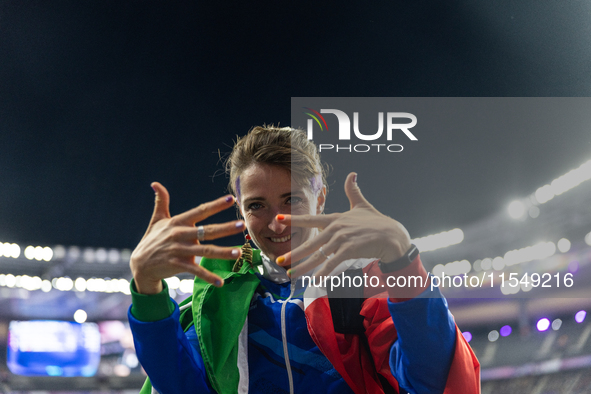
173 361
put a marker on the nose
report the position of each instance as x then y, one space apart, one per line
276 226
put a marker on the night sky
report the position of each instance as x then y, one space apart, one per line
100 98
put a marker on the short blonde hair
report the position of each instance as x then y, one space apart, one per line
284 147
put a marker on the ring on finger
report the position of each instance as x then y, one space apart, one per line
324 254
200 233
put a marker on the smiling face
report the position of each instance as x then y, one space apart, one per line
266 191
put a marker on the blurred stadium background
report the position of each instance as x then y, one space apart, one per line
92 92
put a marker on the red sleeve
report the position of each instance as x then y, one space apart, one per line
464 373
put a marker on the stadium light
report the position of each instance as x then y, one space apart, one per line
46 286
101 255
10 280
493 335
80 284
11 250
453 268
506 331
543 324
516 209
80 316
563 245
186 286
563 183
173 282
106 285
573 266
467 335
114 256
498 263
439 240
538 251
533 212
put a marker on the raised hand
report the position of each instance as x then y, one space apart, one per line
361 232
170 244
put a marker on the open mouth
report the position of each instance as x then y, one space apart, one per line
282 239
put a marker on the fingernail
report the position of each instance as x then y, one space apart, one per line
355 178
229 198
218 283
280 217
280 260
239 224
289 272
235 253
153 188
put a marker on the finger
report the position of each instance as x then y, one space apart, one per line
215 231
353 192
304 250
204 274
318 257
205 210
211 251
319 221
161 203
184 234
314 261
332 263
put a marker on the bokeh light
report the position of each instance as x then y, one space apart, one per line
493 335
506 331
543 324
80 316
467 335
516 209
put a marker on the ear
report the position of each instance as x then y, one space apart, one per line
321 200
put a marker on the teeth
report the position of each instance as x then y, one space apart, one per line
284 239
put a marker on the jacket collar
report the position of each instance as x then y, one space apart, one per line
273 272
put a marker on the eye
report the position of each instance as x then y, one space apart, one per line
254 206
294 200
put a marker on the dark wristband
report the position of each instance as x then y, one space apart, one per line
400 263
